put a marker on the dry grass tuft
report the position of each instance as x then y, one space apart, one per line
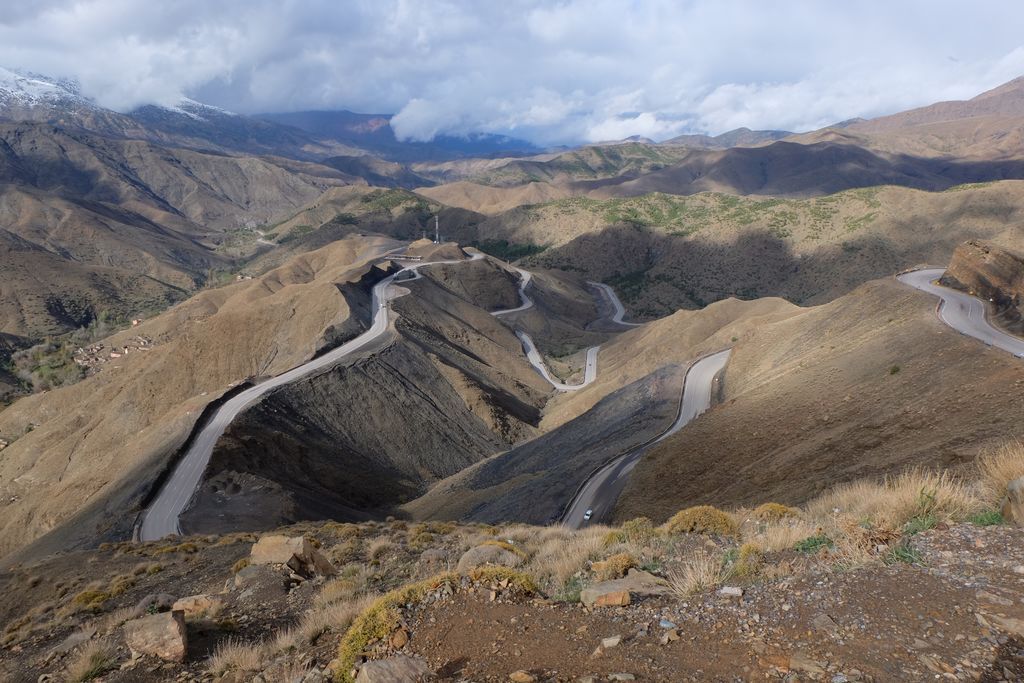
783 534
997 468
378 548
233 655
562 553
334 618
699 572
702 519
92 661
897 500
639 532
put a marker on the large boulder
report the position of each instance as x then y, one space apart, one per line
297 552
1013 503
488 553
162 635
397 669
619 592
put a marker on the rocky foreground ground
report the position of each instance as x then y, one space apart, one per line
917 578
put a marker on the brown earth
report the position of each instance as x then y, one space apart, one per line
994 274
89 452
954 611
864 386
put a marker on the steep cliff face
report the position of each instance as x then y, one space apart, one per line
992 273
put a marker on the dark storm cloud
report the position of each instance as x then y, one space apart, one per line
550 71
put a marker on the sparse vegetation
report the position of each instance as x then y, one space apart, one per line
702 519
699 572
92 661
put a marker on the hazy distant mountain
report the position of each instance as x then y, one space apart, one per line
190 124
373 132
741 137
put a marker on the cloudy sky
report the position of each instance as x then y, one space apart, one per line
549 71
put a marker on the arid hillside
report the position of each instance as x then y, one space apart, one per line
989 126
93 224
866 385
827 591
90 452
663 253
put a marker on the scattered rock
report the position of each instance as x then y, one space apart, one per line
399 639
297 552
258 576
618 592
198 606
397 669
621 677
522 677
669 636
731 591
665 623
824 622
162 635
488 554
433 557
613 641
800 661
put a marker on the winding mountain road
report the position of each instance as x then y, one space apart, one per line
602 489
533 355
963 312
162 517
616 303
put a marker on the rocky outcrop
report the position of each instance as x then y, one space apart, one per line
991 273
296 552
162 635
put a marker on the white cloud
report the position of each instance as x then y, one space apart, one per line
574 70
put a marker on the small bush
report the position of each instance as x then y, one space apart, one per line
233 655
702 519
240 565
748 561
91 599
987 518
378 620
813 544
614 567
773 512
505 545
904 552
639 531
894 369
506 577
919 524
570 590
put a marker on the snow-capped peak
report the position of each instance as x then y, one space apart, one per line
30 89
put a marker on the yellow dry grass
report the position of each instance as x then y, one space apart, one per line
997 468
699 572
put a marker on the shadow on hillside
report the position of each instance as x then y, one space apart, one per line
656 274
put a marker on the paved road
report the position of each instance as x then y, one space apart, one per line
616 303
524 280
963 312
601 491
161 519
533 355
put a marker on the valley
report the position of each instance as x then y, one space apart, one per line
314 399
